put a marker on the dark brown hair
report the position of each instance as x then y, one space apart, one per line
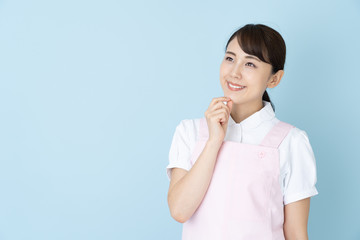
263 42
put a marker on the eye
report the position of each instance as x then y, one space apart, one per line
226 58
250 64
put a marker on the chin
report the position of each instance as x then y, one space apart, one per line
238 100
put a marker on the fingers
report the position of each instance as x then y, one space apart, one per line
220 115
216 100
218 103
221 104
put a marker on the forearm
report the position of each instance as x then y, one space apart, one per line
186 195
297 238
296 219
295 234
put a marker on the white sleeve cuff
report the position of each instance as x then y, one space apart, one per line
301 195
178 165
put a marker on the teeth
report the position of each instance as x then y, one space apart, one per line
234 86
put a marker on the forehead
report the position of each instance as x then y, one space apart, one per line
234 46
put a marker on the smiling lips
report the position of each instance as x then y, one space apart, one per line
235 87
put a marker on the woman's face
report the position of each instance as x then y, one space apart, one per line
240 68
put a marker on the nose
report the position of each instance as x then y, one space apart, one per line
236 71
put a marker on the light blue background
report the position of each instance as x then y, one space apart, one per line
91 93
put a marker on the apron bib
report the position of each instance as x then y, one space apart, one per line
244 200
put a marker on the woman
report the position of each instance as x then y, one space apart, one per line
239 172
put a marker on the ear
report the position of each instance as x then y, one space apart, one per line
274 79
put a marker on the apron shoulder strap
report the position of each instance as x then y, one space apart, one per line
276 134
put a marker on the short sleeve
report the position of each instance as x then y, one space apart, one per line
300 178
180 149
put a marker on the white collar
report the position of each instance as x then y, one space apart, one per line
254 120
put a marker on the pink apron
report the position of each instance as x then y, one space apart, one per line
244 200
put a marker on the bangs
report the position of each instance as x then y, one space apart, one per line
252 41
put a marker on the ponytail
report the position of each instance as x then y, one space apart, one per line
267 98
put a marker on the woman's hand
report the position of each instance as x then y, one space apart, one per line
217 118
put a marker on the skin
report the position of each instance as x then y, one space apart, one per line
237 67
187 188
250 72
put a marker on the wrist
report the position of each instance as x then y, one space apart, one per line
214 142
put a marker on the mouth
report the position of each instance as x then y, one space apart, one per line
234 87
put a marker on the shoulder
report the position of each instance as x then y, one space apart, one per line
188 127
182 145
186 133
295 149
295 137
189 122
298 166
296 144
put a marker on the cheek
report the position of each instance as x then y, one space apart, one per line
223 73
255 82
222 69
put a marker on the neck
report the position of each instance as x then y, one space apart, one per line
240 112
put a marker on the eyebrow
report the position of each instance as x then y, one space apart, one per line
247 56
